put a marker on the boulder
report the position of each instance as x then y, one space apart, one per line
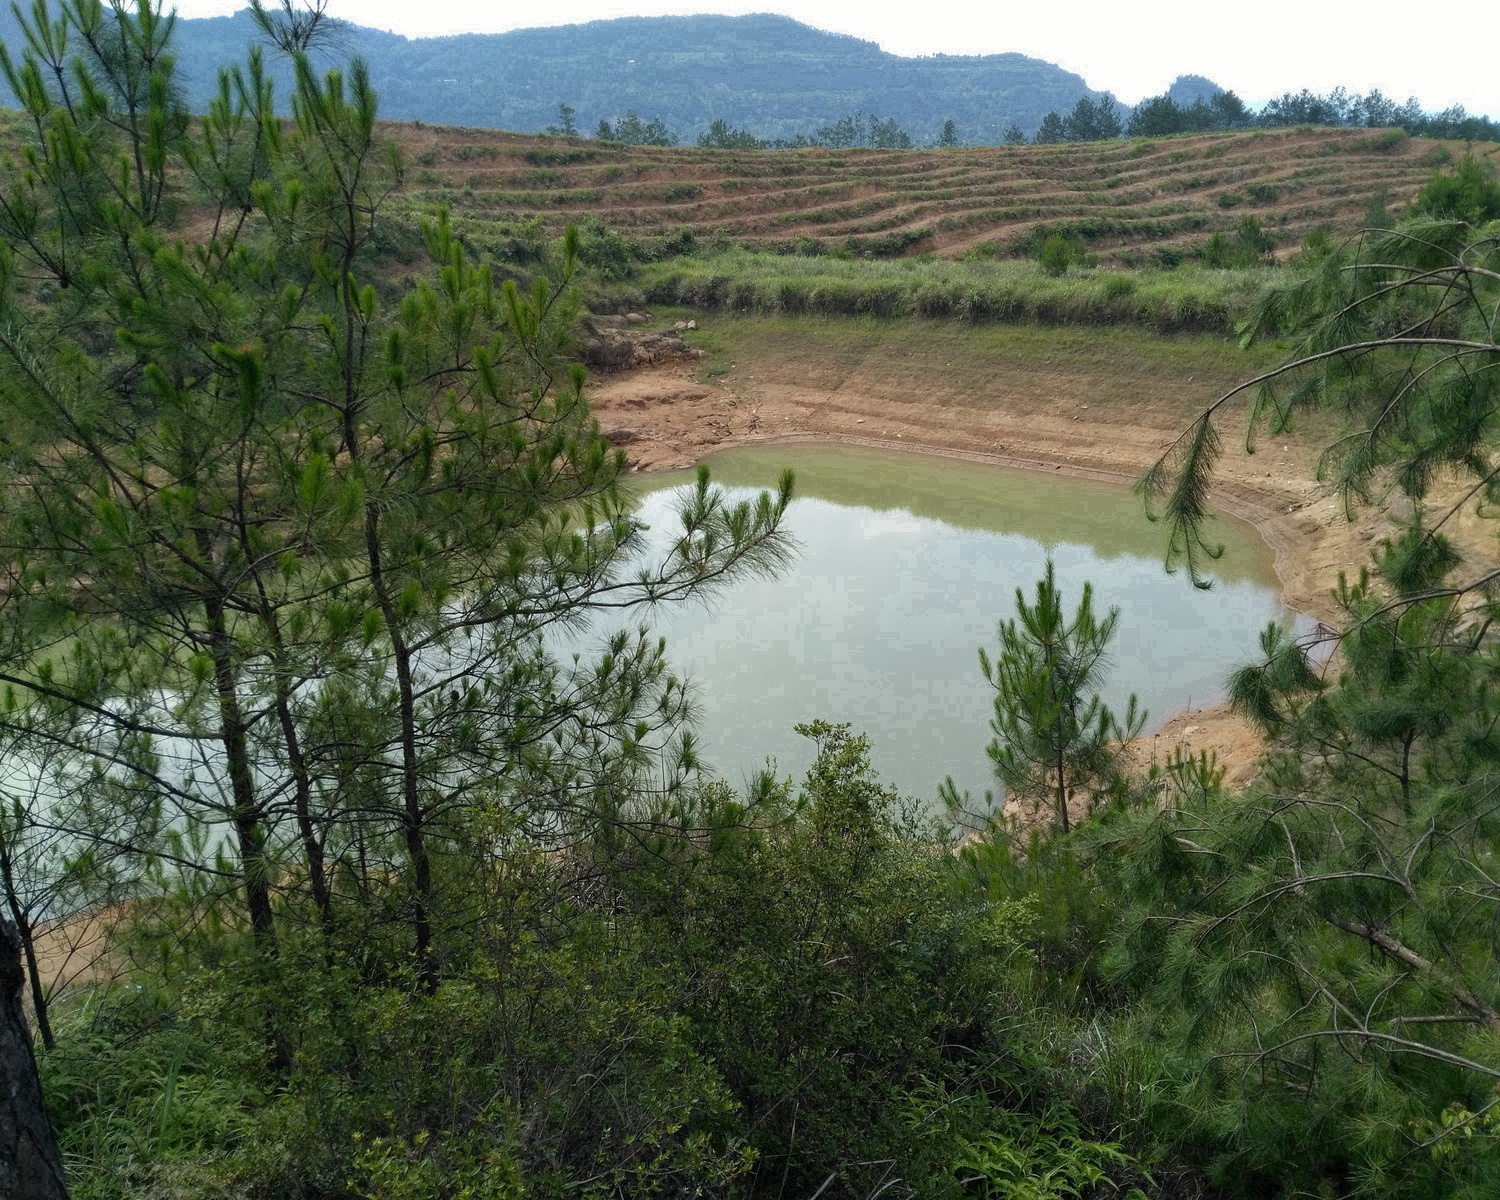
609 347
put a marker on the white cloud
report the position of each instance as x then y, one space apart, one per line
1134 49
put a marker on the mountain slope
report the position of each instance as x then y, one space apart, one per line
770 74
1131 202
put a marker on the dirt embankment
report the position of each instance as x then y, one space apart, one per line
1089 413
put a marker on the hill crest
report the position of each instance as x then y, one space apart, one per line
767 73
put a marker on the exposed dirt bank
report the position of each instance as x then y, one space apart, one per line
1032 404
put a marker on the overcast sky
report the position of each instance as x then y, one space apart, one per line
1444 55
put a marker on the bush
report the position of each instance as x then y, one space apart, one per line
1057 255
1467 193
809 988
1249 246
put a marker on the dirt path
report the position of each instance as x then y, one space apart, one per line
1092 419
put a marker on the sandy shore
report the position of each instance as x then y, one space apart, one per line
667 417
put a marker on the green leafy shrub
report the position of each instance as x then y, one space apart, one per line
808 987
1057 255
1469 193
1249 246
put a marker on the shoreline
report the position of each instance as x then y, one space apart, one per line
1098 420
1214 727
1229 502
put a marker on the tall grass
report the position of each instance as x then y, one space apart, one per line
742 281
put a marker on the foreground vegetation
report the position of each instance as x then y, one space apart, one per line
409 891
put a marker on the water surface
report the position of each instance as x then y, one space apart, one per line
905 564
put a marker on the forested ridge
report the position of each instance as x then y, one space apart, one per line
397 879
770 73
773 78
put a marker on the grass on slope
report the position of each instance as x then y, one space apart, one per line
974 291
1129 200
1132 374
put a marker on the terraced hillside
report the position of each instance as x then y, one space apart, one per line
1129 199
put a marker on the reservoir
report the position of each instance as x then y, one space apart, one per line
904 564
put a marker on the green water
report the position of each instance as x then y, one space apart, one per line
905 564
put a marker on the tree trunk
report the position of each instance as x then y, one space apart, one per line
246 817
1062 788
22 921
30 1162
412 816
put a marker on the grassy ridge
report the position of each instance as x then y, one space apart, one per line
1187 299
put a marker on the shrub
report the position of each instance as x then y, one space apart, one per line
1056 255
814 987
1468 193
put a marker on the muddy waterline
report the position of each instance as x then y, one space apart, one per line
905 563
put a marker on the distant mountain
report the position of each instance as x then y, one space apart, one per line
769 74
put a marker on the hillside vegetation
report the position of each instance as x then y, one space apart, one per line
1137 203
775 75
338 740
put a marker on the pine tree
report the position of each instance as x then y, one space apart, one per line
720 136
1319 948
1054 736
283 557
1051 130
567 127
